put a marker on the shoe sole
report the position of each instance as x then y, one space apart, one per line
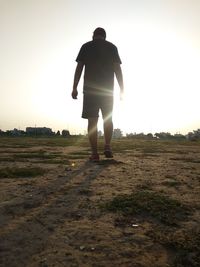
108 154
94 160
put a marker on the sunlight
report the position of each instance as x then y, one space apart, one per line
158 42
161 83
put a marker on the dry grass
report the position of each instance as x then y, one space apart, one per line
149 204
16 172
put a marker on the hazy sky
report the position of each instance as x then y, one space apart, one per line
158 42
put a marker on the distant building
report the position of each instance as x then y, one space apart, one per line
39 131
193 136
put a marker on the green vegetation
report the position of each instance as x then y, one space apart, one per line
43 157
119 145
171 183
39 155
165 216
8 159
25 142
145 185
78 154
184 244
16 172
192 160
54 161
149 204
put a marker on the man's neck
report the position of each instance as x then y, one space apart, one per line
98 38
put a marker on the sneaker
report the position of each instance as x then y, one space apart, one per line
94 158
108 152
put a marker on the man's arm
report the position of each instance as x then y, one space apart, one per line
119 76
77 76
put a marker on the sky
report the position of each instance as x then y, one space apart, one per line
158 42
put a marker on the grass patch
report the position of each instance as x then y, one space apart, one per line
77 156
145 185
147 155
45 157
191 160
171 183
40 155
6 159
119 145
84 152
26 142
54 161
184 244
149 204
21 172
152 150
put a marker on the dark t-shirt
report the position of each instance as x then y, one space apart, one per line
98 57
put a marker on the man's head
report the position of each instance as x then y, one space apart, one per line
99 33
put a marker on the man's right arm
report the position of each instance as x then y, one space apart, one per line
77 76
119 76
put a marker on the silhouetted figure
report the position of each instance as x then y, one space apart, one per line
101 61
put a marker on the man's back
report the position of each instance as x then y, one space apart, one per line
98 57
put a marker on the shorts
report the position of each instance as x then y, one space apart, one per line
93 103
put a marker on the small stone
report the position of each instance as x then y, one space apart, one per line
82 247
68 169
51 228
43 263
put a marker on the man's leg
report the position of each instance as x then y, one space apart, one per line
107 107
92 134
108 130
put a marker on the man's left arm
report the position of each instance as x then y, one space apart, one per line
119 76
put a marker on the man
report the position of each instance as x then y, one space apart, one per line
101 61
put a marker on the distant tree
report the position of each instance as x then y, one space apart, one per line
2 133
140 135
58 133
117 133
65 133
164 135
194 136
150 135
178 136
130 135
8 132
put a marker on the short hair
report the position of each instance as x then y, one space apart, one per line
100 31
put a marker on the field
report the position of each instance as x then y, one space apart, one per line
140 209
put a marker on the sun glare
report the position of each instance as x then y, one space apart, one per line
158 42
161 83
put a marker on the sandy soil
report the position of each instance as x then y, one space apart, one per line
56 220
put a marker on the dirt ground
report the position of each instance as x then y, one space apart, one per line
57 219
